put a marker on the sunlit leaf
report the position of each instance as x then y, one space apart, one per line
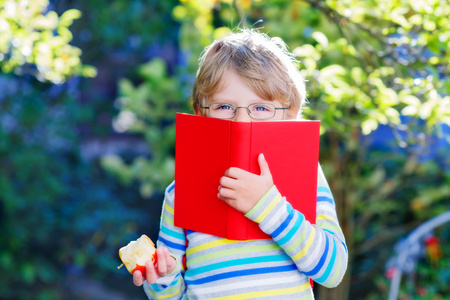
368 126
333 70
409 110
154 70
69 16
321 39
307 51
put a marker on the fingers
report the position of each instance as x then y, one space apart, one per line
138 279
227 182
163 259
166 264
226 193
150 274
236 173
263 165
233 181
171 262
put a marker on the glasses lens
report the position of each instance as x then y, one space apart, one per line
222 110
261 111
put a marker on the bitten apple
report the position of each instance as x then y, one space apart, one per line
137 253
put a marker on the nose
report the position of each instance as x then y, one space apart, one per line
242 115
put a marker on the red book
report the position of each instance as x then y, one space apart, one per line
207 147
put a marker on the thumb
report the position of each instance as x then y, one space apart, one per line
263 165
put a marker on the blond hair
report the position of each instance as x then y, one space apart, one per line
263 63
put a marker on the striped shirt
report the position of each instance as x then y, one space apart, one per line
277 268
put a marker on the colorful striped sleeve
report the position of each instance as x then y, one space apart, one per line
171 286
318 250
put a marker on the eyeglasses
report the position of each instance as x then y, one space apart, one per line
257 111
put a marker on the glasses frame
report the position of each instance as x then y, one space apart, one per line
248 110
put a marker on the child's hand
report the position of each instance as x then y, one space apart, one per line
165 265
242 189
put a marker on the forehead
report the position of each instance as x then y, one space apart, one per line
235 90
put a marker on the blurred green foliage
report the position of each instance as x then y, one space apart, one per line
368 64
149 110
61 215
36 40
55 208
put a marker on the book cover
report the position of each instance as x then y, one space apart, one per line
207 147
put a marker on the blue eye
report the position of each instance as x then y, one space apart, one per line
260 108
225 107
222 107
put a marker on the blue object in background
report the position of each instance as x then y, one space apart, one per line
436 147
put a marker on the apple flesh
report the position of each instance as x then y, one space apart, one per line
137 253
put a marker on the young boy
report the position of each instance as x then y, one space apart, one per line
249 77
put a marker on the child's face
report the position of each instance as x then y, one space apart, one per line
235 91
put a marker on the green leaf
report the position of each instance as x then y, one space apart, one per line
126 87
410 99
28 273
416 19
332 71
115 165
388 97
321 39
429 25
154 70
88 71
368 126
68 16
434 45
358 76
65 34
393 115
399 18
409 110
146 190
307 51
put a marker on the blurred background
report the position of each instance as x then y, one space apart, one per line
88 95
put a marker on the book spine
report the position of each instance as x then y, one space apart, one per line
240 150
240 145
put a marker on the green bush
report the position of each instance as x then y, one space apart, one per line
62 216
58 213
149 110
35 40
